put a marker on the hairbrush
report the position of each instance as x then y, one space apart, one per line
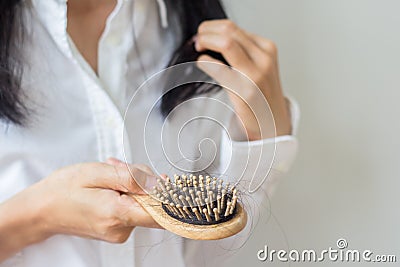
195 207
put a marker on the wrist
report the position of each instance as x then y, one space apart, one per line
40 209
21 223
280 119
280 110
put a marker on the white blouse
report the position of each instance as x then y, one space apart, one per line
77 116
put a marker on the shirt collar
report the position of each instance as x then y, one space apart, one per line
53 15
163 13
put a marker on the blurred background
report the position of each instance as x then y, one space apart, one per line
341 61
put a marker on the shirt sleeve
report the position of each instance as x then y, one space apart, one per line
256 164
259 165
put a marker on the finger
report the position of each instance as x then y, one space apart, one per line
217 26
118 178
119 163
106 176
132 214
265 44
144 168
229 79
215 69
229 28
144 181
227 46
116 162
142 174
251 48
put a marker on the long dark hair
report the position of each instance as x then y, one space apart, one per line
12 108
192 13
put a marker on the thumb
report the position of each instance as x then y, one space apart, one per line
119 177
142 174
106 176
144 181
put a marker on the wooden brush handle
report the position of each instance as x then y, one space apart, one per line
192 231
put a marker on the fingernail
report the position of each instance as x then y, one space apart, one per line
146 182
113 160
151 182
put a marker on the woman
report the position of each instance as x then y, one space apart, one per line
68 71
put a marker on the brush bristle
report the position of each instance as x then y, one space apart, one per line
197 200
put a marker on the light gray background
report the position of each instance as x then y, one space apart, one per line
340 60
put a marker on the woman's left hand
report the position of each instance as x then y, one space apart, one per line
257 58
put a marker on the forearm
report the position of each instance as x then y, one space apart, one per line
80 200
20 224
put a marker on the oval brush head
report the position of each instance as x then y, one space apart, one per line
197 200
195 207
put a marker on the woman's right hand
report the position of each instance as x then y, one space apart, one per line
89 200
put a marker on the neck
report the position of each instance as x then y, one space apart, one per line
85 5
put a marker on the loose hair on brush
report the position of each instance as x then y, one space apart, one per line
12 106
